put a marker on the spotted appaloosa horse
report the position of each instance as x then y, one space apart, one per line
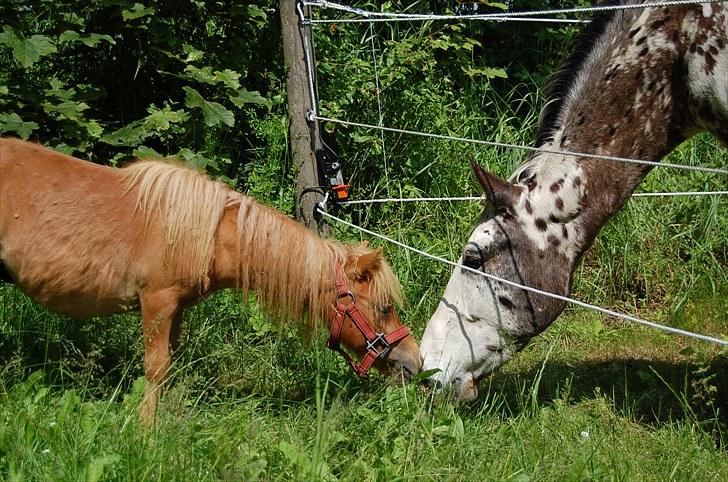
85 240
638 84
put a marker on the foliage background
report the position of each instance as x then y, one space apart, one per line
110 80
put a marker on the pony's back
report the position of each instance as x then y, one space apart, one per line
83 238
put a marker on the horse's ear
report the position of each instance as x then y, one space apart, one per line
498 192
363 267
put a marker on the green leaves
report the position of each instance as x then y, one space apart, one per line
162 119
157 122
226 79
197 159
13 123
115 79
243 97
90 40
213 112
202 75
95 469
71 110
487 72
137 11
256 14
29 50
311 467
500 5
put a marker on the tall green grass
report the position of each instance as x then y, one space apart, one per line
533 425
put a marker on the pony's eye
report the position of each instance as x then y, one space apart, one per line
387 310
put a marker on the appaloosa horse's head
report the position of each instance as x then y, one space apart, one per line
639 83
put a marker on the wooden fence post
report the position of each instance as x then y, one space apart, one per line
304 135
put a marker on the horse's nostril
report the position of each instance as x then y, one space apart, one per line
434 384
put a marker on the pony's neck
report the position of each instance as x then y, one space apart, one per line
289 267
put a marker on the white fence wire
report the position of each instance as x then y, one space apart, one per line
526 16
482 198
713 170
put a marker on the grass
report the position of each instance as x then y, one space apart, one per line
587 400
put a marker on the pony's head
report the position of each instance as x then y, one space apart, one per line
366 284
480 323
298 275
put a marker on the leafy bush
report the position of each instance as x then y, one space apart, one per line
112 79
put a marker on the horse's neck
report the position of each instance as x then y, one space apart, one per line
630 99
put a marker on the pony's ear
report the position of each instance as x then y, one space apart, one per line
499 192
364 266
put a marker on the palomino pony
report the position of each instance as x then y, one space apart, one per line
85 240
639 83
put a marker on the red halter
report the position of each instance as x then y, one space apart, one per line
378 344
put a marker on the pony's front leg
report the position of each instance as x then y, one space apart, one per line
161 314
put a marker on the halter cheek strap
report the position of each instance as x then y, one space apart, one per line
377 344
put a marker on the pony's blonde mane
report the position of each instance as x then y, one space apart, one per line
188 204
293 270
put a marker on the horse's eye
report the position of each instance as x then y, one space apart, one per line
473 257
387 310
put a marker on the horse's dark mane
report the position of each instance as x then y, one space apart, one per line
562 81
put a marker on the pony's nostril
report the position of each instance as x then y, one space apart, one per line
407 373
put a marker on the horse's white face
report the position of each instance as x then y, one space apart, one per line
479 323
471 332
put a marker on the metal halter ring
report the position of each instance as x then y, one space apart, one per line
344 295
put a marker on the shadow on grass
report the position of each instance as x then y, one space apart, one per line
649 391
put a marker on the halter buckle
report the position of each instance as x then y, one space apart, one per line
380 339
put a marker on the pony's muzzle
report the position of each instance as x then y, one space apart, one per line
404 361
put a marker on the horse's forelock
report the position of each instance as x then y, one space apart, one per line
384 287
387 286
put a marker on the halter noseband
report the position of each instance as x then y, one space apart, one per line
378 344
